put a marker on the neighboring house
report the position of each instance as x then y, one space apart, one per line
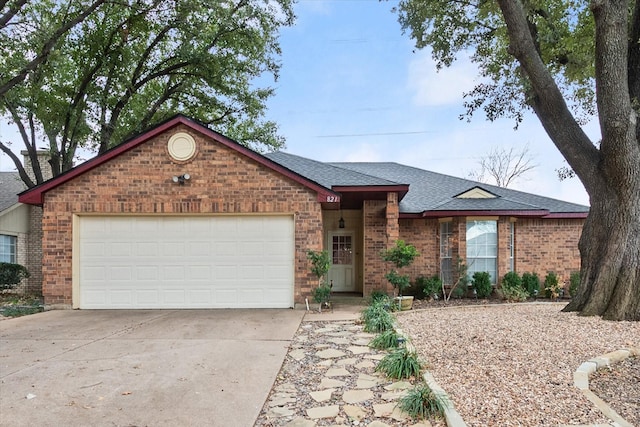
183 217
20 232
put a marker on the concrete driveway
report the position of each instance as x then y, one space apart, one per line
142 367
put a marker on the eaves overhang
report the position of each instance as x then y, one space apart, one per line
542 213
35 195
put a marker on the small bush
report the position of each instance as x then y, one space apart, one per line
551 285
511 280
517 294
481 282
431 286
322 293
531 283
377 318
11 275
385 340
422 402
574 283
400 364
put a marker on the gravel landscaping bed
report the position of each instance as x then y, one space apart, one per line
513 365
619 386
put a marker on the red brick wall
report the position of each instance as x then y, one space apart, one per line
541 245
544 245
140 182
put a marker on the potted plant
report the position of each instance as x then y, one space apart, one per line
401 255
320 264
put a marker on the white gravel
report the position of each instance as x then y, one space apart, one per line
512 365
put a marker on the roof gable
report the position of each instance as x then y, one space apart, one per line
35 195
476 192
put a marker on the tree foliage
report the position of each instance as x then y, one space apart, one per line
567 60
125 66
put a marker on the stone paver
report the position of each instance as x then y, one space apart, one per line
330 380
357 396
322 395
323 412
330 353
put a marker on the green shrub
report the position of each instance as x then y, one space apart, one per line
401 255
551 285
531 283
377 295
481 282
512 289
460 289
11 275
377 318
322 293
511 280
517 294
385 340
574 283
431 286
422 402
400 363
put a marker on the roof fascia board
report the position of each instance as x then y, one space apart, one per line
370 188
35 195
537 213
567 215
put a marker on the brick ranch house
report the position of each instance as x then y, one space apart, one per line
183 217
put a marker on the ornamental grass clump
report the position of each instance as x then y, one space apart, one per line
421 402
400 363
386 340
377 319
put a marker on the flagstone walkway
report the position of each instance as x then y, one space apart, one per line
329 379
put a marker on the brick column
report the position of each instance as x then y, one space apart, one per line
392 216
375 241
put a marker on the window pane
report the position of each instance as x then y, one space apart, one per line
446 264
482 247
8 248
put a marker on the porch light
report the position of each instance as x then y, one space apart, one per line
341 222
180 179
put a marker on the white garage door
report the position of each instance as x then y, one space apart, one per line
185 262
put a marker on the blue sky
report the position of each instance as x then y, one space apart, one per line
352 88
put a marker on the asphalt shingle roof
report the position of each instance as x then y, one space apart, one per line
428 191
10 186
434 191
325 174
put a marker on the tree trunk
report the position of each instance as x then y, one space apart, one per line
610 258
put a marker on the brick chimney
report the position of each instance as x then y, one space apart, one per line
43 159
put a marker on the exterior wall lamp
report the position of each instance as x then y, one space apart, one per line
180 179
341 222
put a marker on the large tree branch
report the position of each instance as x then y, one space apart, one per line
547 100
16 161
47 48
11 12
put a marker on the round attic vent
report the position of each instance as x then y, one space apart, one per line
181 146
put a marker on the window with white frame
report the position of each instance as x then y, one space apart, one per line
446 263
482 247
8 248
512 245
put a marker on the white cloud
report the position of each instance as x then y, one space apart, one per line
432 88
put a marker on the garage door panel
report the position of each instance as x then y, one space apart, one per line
186 262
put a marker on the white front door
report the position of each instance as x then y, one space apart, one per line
341 273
